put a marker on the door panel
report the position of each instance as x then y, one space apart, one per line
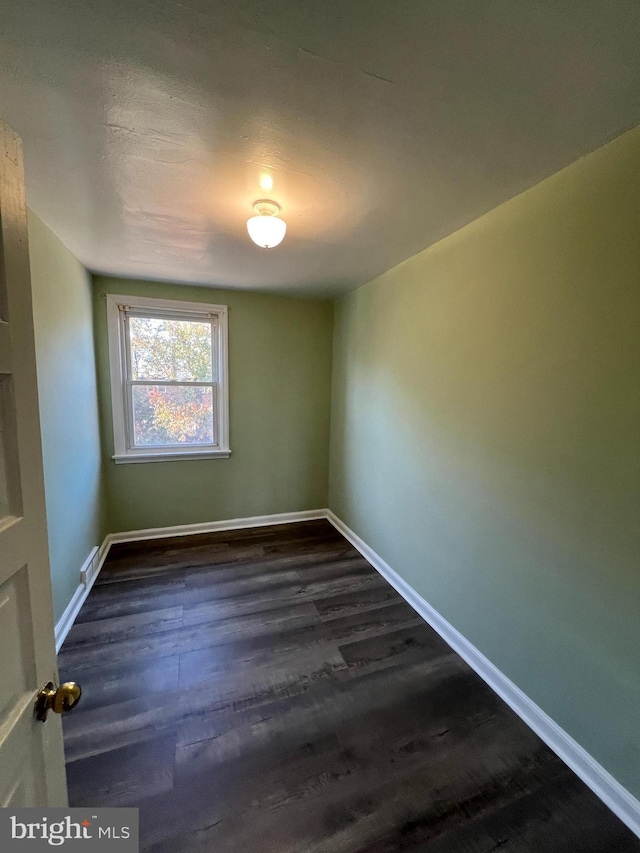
31 753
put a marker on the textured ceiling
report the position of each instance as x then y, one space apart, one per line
383 124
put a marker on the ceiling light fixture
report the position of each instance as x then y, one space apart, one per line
266 229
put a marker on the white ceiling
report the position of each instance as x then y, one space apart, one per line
384 124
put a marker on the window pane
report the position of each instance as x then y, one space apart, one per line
172 414
173 350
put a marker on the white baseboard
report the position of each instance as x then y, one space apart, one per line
602 783
88 574
214 526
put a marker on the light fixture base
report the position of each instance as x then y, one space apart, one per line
264 207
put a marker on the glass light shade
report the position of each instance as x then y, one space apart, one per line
266 231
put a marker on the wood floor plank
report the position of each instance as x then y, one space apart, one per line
123 682
291 588
218 591
318 706
122 776
126 598
387 647
113 629
356 601
266 691
252 629
281 631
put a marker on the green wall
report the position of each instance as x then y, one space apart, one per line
62 307
279 397
486 440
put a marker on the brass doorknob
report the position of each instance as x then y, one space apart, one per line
60 700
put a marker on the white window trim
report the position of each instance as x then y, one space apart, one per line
123 452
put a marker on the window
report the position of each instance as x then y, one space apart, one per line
168 364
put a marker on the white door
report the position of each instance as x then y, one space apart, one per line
31 754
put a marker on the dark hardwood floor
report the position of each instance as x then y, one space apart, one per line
266 691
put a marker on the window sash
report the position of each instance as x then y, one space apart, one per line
127 313
142 448
129 383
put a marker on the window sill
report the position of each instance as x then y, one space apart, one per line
169 456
